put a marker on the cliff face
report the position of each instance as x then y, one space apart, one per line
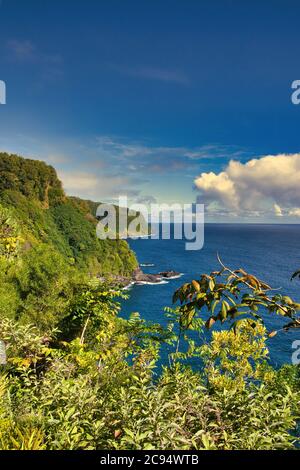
32 190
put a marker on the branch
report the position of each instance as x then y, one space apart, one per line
249 285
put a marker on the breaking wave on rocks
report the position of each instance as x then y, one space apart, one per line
174 277
140 283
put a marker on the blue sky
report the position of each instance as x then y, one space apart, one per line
145 97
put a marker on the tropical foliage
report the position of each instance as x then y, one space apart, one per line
79 376
235 295
100 390
48 244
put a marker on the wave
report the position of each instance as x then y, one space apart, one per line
163 280
137 236
129 286
141 283
174 277
144 265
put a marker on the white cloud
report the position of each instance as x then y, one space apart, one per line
89 185
277 210
294 212
78 180
262 185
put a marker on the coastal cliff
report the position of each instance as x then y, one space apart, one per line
35 195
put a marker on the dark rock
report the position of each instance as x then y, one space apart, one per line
169 274
140 276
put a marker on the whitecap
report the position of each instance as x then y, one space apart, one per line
174 277
141 283
129 286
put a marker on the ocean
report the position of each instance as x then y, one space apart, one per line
270 252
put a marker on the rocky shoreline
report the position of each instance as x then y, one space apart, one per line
139 277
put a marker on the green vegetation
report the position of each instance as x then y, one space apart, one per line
49 244
98 388
32 178
78 376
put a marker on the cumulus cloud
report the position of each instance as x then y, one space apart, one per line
294 212
269 184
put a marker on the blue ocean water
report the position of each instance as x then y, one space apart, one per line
270 252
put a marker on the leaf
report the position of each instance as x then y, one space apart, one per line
129 433
196 285
210 322
287 300
223 313
117 433
214 305
272 334
252 281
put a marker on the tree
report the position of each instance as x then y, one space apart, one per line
233 295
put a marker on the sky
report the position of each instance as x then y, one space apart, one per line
163 101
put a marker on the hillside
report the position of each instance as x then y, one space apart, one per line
36 195
48 225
